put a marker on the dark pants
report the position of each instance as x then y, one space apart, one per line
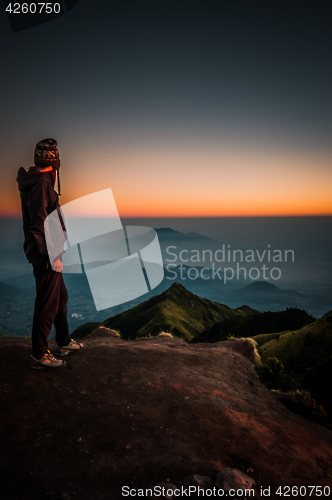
50 307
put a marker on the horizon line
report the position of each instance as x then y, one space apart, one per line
19 216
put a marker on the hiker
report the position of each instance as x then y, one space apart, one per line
38 200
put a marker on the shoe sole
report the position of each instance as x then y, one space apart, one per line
68 351
41 367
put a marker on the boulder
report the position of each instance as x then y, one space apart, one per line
228 479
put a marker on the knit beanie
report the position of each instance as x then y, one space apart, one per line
46 151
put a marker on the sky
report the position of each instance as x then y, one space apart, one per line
184 109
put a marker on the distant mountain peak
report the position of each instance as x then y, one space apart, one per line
261 285
265 287
166 230
247 309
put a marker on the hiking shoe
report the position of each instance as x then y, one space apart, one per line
73 346
47 362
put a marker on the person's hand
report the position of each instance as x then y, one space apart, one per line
57 265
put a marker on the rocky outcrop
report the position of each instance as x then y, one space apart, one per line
134 413
227 481
233 479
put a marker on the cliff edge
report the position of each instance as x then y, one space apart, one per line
134 413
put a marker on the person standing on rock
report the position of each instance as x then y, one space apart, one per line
38 200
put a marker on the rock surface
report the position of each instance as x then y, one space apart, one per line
233 479
203 482
167 490
140 412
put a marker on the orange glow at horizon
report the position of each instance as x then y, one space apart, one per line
143 210
208 182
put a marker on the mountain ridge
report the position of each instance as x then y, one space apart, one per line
267 287
306 354
185 315
176 311
169 232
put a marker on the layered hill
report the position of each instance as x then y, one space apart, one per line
264 287
265 296
15 310
9 291
306 353
166 233
302 344
256 324
176 311
142 412
192 318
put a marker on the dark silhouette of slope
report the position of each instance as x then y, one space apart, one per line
9 291
166 233
256 324
176 311
15 310
86 329
306 353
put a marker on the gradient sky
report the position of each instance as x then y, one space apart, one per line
186 108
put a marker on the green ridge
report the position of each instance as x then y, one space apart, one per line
176 311
307 354
255 323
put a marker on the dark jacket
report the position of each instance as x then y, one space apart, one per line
38 200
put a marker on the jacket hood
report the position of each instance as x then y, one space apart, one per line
25 179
